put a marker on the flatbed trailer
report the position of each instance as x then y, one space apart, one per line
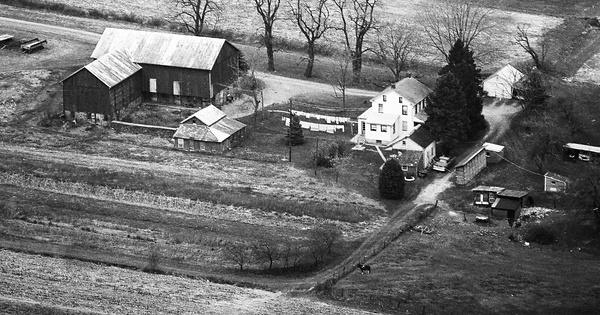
32 44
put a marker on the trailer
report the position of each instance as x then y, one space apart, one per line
29 45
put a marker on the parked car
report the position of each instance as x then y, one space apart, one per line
442 164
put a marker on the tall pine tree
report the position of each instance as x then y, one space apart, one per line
448 119
462 64
294 133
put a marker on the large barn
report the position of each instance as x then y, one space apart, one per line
101 89
174 68
501 84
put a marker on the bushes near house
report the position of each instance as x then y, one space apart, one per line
328 153
391 180
539 233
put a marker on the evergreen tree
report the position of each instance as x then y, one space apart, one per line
391 180
297 137
448 119
462 64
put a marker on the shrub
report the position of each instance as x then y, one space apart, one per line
95 13
294 135
156 22
326 155
391 180
538 233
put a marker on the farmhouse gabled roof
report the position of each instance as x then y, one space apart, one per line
556 177
409 88
112 68
163 49
208 115
506 74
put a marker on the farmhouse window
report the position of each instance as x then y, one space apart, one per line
383 128
404 168
394 128
403 142
363 127
373 127
404 126
202 146
381 108
385 98
492 198
400 99
404 110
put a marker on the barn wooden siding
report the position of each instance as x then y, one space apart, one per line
83 92
469 167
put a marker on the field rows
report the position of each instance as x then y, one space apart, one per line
111 290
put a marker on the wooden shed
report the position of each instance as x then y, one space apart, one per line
583 152
469 166
175 67
509 204
555 183
410 162
101 89
209 130
494 153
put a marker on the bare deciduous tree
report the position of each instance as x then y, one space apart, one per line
394 46
357 19
538 55
239 253
267 9
268 250
193 14
341 74
313 22
449 20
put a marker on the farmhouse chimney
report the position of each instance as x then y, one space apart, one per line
409 75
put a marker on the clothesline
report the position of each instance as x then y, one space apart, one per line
315 126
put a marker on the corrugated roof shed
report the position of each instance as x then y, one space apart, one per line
493 147
111 69
472 153
196 132
582 147
488 188
556 177
208 115
163 49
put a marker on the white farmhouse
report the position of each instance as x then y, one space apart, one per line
501 83
394 113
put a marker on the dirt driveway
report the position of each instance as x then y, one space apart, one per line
498 113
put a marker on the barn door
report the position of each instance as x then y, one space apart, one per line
153 89
177 91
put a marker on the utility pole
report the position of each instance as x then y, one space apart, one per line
316 152
290 133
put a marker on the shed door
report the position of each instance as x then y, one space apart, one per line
180 143
176 88
152 85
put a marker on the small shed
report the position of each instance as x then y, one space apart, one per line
509 204
485 196
583 152
501 83
469 166
409 162
209 130
494 153
555 183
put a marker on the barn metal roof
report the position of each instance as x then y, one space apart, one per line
163 49
493 147
511 193
488 188
506 204
208 115
113 68
196 132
